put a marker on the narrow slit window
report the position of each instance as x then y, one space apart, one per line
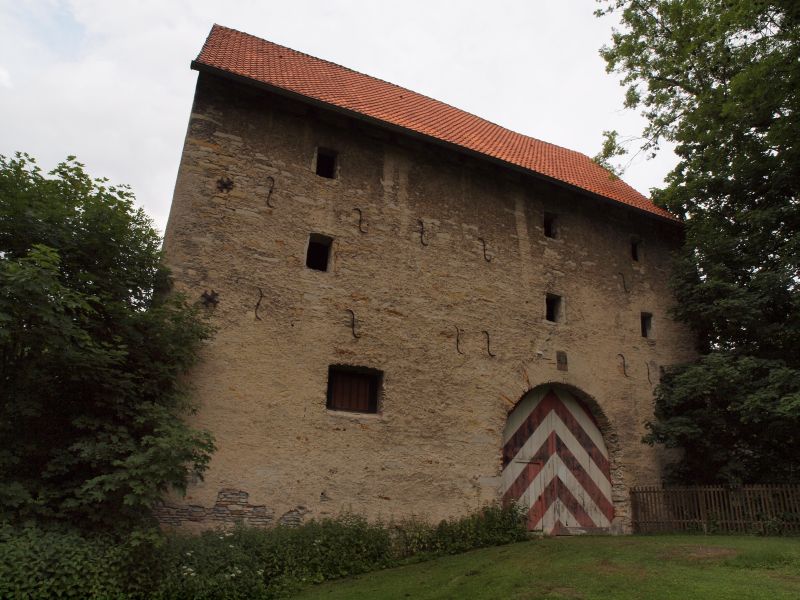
549 224
353 389
326 163
647 325
635 250
553 308
319 252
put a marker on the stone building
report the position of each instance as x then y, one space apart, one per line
418 312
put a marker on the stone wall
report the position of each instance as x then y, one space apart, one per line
232 507
438 278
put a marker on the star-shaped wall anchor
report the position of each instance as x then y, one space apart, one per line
224 184
209 298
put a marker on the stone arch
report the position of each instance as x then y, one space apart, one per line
591 441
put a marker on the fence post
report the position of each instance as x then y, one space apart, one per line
701 498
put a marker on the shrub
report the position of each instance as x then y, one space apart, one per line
243 563
57 562
491 526
256 563
92 354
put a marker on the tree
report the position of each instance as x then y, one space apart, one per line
721 79
91 353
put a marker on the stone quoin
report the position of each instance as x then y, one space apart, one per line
418 312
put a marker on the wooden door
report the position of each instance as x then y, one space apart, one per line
555 464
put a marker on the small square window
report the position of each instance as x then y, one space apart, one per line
319 252
561 361
549 224
635 248
353 389
326 163
553 308
647 325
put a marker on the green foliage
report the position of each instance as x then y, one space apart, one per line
90 354
720 79
491 526
240 564
611 149
655 567
737 418
252 563
62 563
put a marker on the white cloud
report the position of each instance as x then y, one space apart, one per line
110 81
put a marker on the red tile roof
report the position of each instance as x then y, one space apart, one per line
276 66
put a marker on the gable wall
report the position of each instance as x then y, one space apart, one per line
434 449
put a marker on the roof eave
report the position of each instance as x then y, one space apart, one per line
205 68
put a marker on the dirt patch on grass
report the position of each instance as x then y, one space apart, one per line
785 577
565 592
552 592
712 552
607 567
701 553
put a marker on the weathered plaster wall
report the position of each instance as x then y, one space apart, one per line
434 449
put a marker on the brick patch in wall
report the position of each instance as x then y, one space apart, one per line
294 517
230 508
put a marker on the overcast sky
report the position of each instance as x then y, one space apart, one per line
109 80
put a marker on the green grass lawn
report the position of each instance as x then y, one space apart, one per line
648 567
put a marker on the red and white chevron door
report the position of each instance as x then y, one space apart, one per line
555 464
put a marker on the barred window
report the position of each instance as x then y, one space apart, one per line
353 389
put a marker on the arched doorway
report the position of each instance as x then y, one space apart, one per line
555 463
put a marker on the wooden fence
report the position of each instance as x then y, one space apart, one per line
769 509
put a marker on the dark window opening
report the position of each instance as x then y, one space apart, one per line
553 308
550 225
326 163
635 250
319 251
647 325
354 389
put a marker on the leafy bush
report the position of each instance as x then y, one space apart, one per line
254 563
244 563
491 526
61 563
736 418
92 353
735 412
